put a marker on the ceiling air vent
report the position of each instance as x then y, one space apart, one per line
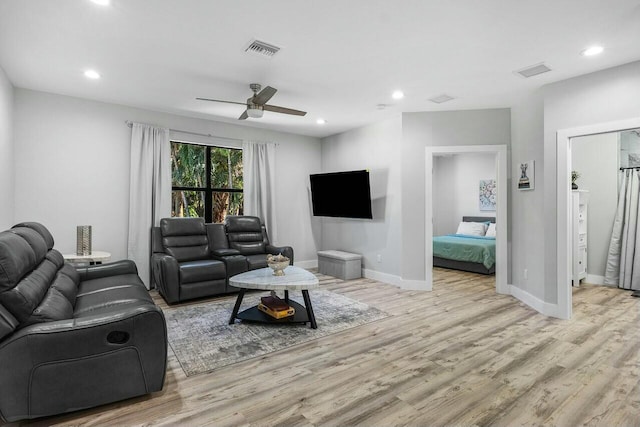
263 49
441 98
533 70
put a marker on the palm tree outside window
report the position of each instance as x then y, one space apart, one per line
206 181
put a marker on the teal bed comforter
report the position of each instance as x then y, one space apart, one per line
461 247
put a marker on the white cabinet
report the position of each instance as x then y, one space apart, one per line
579 240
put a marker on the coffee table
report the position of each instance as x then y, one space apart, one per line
294 279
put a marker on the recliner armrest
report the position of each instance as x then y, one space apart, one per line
284 250
125 266
224 252
166 275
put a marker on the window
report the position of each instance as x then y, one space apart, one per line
206 181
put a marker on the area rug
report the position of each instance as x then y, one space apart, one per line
202 339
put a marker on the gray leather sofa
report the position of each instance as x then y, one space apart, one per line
192 259
72 338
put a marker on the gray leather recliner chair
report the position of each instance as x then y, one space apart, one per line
248 236
182 264
72 338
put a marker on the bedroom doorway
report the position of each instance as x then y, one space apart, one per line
499 153
564 247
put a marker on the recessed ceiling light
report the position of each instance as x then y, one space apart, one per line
92 74
591 51
321 121
101 2
398 94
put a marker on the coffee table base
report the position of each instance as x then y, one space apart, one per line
303 314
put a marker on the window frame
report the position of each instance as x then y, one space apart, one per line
208 190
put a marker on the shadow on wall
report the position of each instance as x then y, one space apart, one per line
378 180
316 222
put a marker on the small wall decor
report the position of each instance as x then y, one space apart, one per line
527 176
488 194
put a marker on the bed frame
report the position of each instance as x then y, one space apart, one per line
472 267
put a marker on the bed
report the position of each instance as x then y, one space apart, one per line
476 254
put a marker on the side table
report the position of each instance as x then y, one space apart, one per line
96 257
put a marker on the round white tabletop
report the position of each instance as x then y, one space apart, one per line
295 278
96 257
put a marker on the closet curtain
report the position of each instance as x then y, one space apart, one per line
259 183
623 262
149 192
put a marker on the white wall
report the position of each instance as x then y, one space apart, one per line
376 148
605 96
72 158
595 157
448 128
6 152
527 211
456 182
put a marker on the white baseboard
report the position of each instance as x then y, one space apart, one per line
595 280
419 285
311 263
534 302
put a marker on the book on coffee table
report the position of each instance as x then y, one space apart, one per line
274 303
277 314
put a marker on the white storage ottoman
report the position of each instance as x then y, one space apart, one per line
343 265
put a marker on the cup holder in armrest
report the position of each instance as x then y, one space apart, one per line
118 337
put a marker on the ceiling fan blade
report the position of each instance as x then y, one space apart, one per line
264 95
243 116
219 100
284 110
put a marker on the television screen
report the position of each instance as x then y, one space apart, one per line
341 194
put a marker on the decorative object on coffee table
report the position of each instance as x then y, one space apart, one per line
296 278
275 306
277 263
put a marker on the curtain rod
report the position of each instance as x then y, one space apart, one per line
208 135
632 167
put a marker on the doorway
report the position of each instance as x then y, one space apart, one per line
500 152
564 248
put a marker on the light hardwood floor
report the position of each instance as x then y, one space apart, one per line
460 355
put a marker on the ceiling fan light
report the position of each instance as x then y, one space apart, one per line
255 113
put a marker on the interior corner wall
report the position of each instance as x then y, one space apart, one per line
72 168
7 170
604 96
374 147
446 128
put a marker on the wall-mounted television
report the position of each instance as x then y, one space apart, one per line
341 194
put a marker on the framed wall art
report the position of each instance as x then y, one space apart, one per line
527 176
488 194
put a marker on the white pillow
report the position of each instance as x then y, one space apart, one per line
472 228
491 231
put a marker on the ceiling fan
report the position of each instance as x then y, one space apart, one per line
257 104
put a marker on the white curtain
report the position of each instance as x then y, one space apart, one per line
623 263
259 186
149 191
